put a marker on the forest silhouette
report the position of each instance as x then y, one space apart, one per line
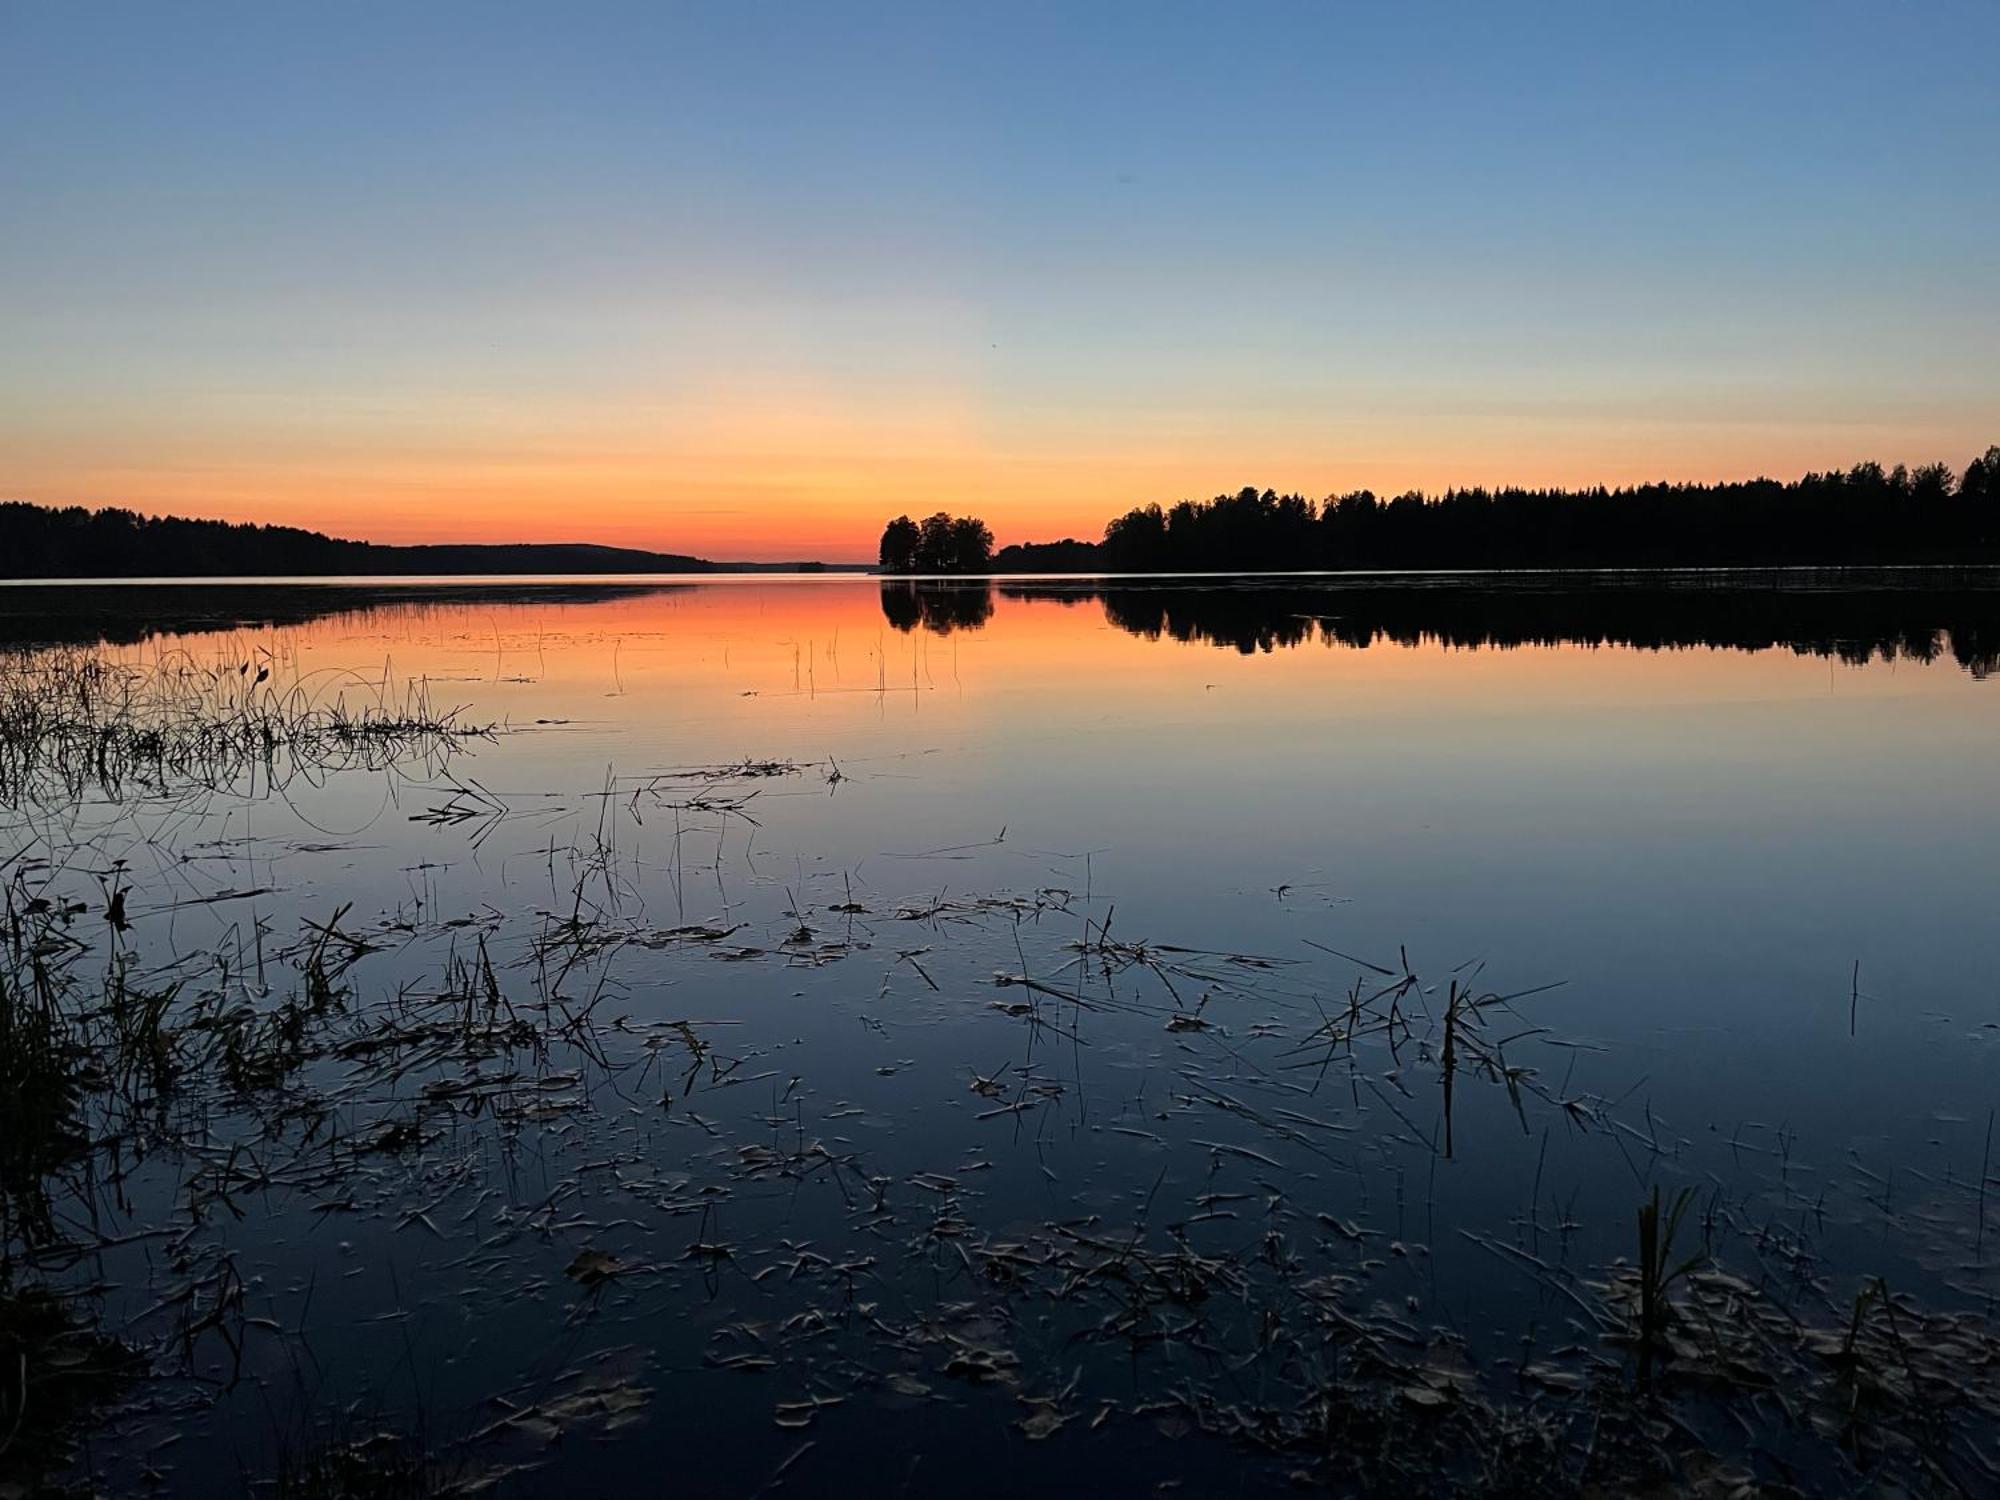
1866 514
1860 516
40 541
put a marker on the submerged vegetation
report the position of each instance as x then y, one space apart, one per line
73 719
648 1137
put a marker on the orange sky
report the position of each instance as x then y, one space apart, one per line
686 278
760 480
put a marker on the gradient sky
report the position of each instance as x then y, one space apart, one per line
744 280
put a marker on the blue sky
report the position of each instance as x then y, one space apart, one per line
747 274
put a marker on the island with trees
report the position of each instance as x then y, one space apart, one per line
940 543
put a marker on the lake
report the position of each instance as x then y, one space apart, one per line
834 1035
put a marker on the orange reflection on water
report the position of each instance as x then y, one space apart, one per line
791 659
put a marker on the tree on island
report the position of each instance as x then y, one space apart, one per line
942 543
898 553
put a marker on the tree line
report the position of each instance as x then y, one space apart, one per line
1866 514
73 542
940 543
41 541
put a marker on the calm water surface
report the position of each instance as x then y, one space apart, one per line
1740 843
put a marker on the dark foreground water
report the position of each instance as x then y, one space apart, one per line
843 1037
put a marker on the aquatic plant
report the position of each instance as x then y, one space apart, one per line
73 719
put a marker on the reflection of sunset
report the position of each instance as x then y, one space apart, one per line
998 750
790 655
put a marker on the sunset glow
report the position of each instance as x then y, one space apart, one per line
933 747
744 285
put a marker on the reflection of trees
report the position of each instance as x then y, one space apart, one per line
1190 618
126 613
939 607
1855 620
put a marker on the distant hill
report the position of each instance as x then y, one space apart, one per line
39 541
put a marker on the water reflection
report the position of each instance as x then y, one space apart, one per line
126 614
937 605
1855 618
960 953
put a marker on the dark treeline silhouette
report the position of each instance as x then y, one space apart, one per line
1864 515
1850 617
1066 556
941 543
938 607
39 541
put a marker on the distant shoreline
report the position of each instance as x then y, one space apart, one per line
1745 574
45 542
501 580
1837 609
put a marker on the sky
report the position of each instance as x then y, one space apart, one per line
745 280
